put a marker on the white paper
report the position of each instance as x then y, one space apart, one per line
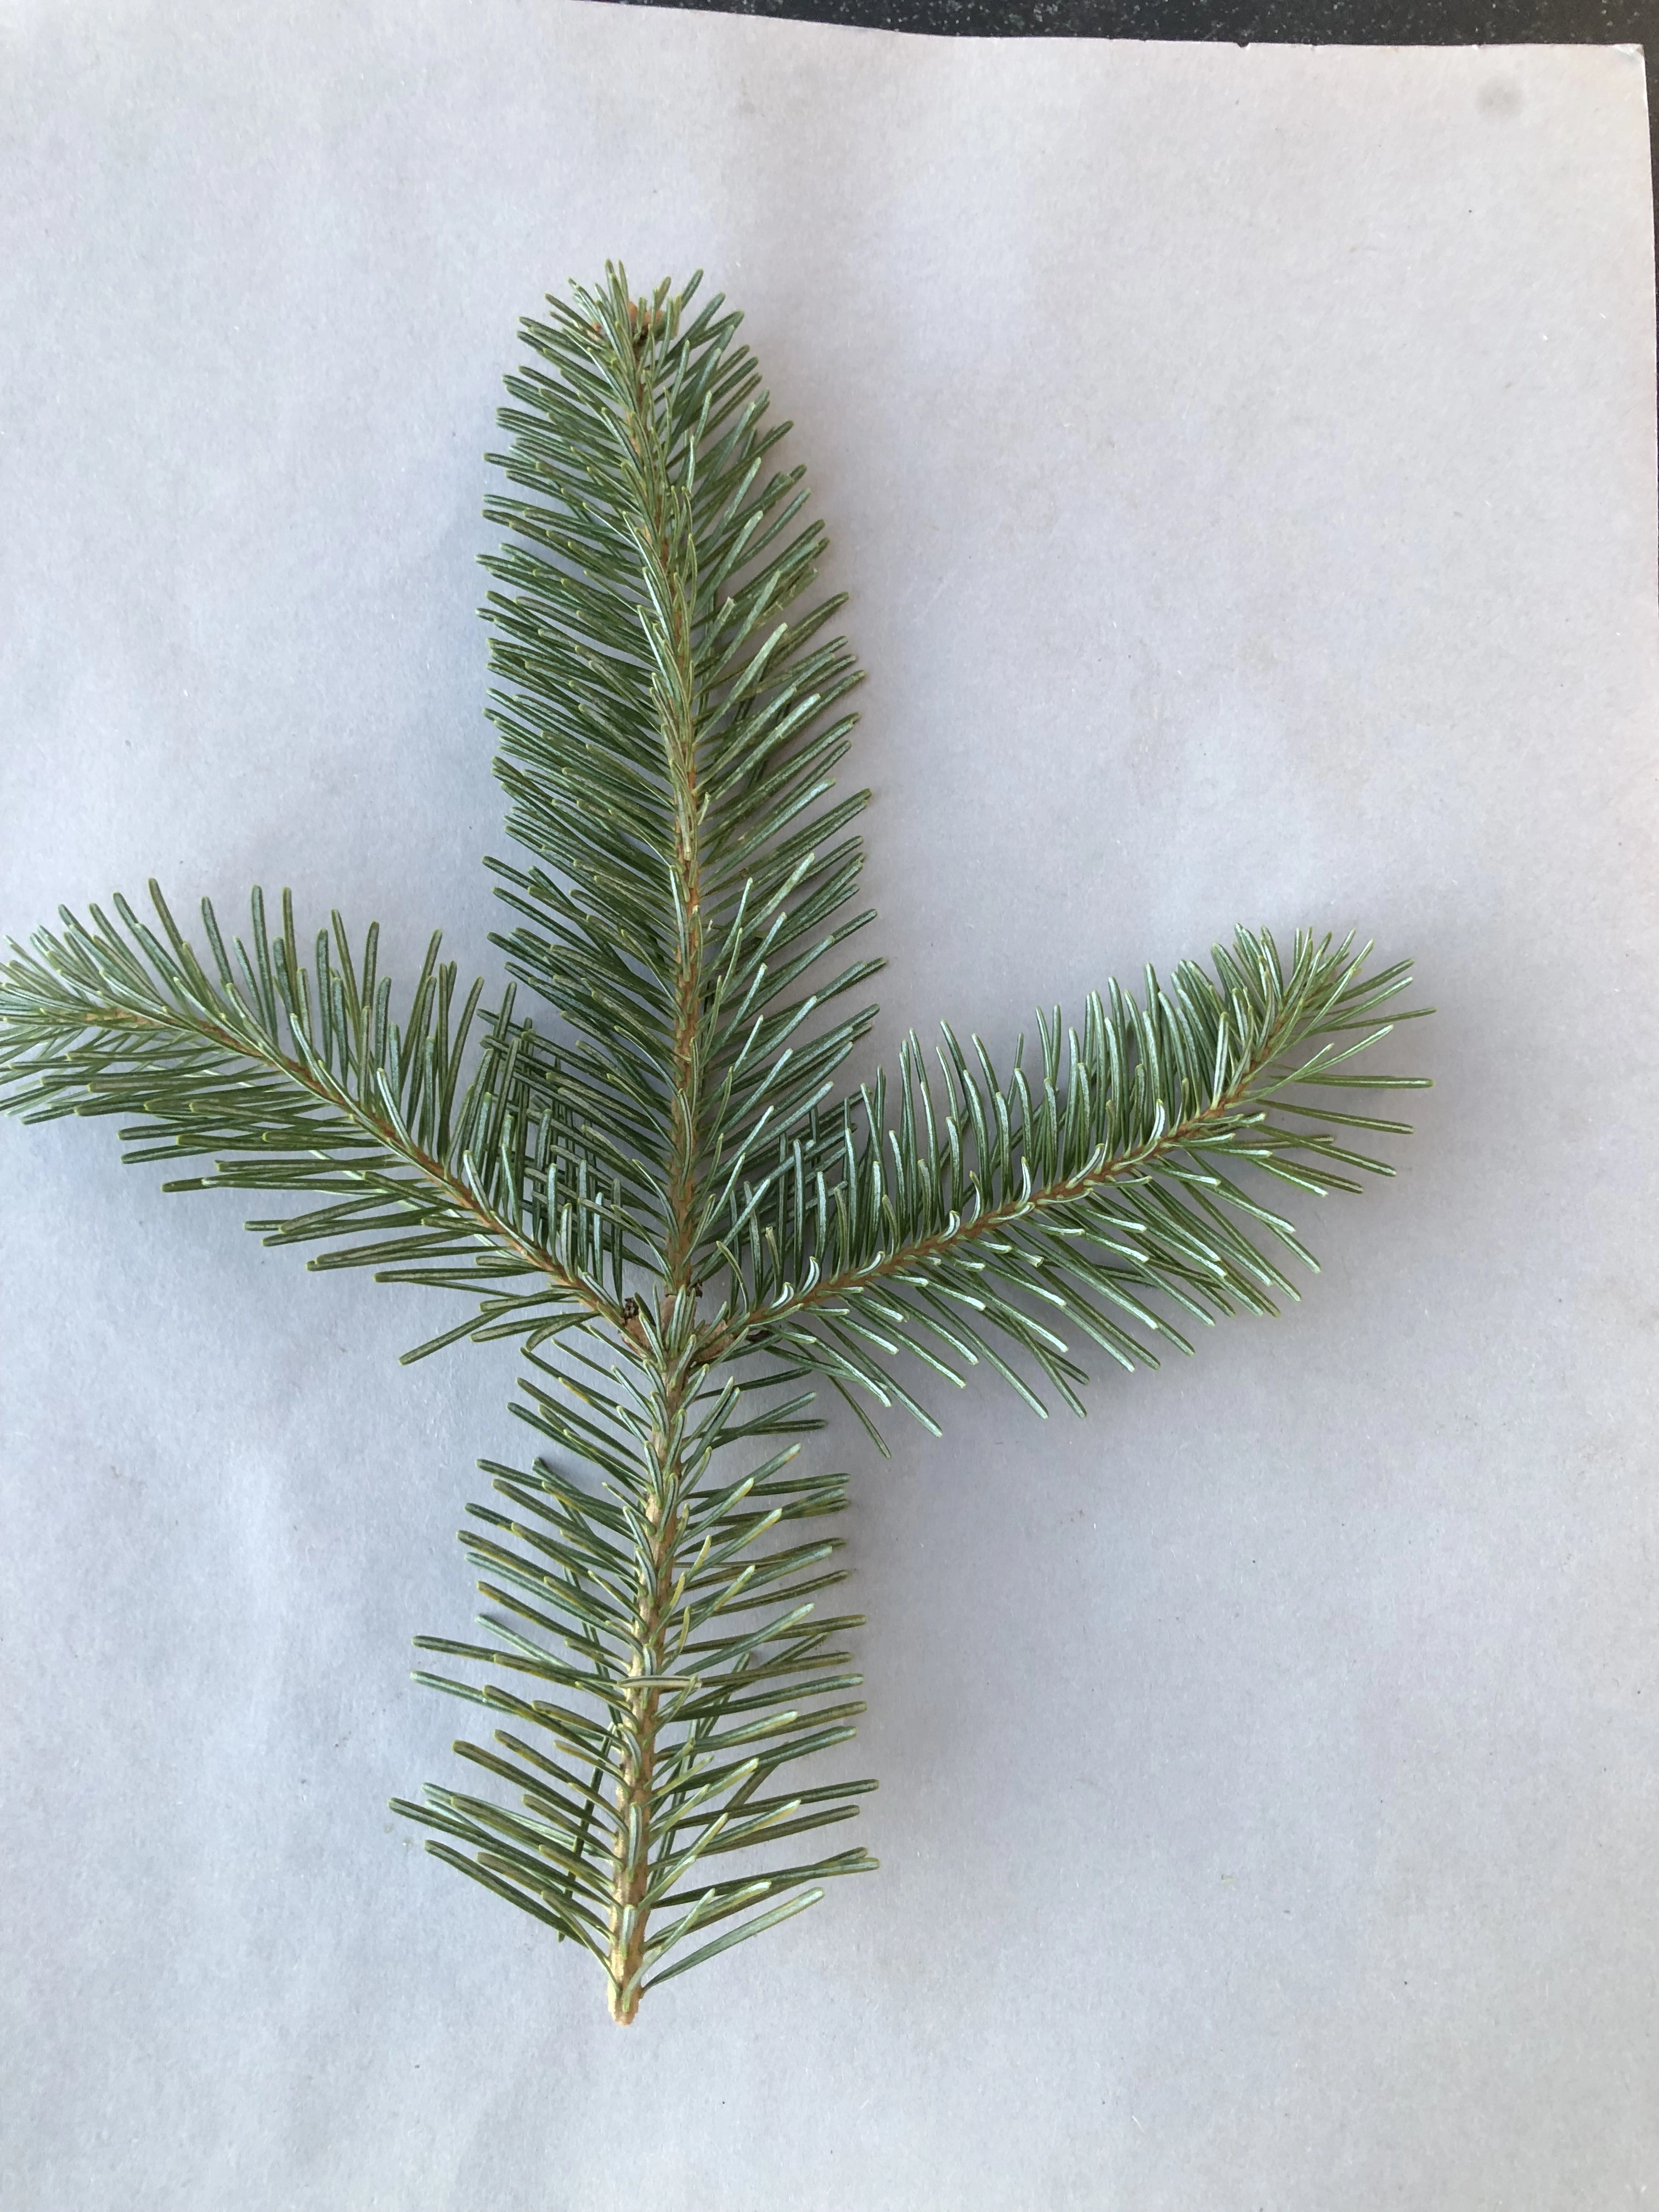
1241 463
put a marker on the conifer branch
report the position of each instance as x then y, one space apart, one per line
665 1191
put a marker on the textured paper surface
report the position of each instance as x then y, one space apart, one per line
1241 463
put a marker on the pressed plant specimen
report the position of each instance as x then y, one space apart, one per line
655 1187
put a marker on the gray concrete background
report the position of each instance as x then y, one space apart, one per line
1242 465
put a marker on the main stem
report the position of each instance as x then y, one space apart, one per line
630 1863
670 1347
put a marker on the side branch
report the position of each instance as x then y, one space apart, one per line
1078 1188
455 1195
296 1080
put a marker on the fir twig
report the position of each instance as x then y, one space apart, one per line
664 1191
